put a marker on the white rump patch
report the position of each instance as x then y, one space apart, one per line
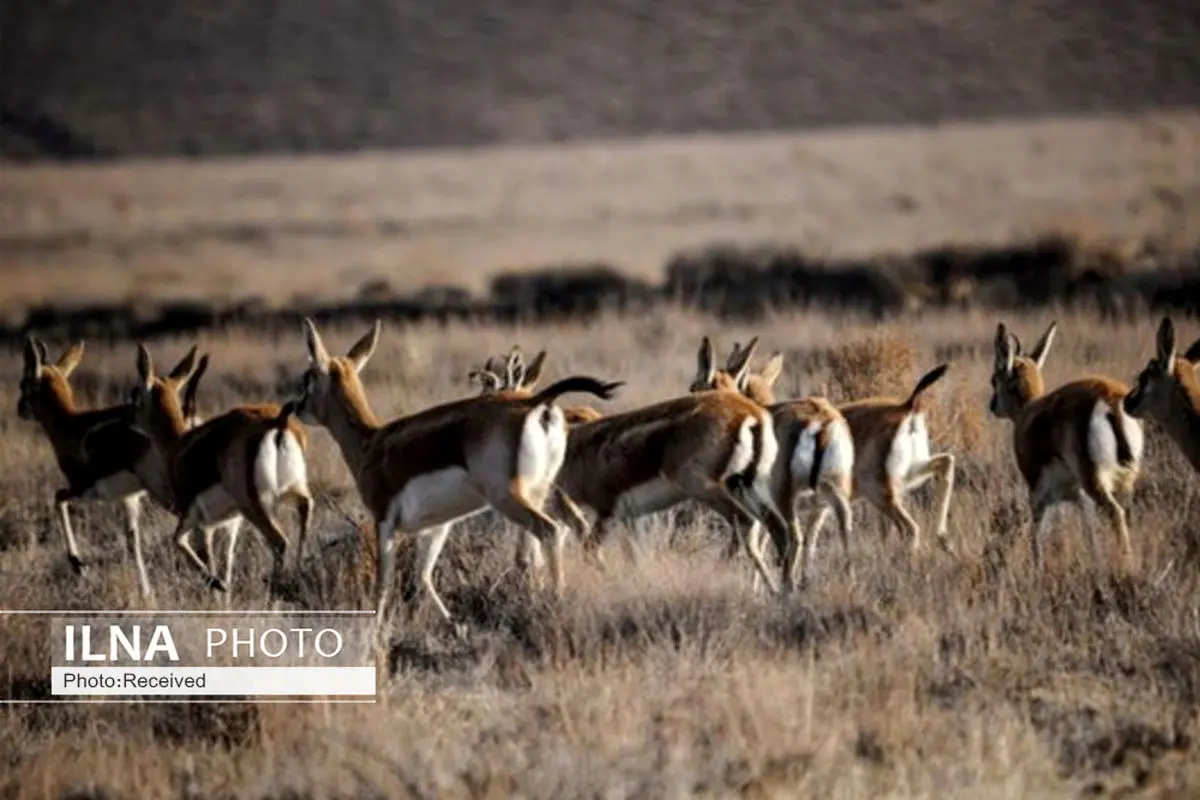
1102 439
434 498
805 454
839 452
910 447
542 448
743 449
279 468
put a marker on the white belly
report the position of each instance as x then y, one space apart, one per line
435 498
215 506
116 486
648 498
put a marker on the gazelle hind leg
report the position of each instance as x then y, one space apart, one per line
520 509
133 510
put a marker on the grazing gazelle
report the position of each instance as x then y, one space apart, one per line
420 474
237 465
98 451
1168 392
817 447
891 448
1075 443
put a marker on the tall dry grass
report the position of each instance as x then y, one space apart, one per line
933 675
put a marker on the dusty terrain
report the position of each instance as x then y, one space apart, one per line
324 226
926 675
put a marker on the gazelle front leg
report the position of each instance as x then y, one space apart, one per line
62 502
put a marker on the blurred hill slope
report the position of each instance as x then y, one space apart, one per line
80 78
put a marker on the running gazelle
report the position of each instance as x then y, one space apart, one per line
891 446
814 440
98 451
420 474
715 448
1075 443
1168 392
237 465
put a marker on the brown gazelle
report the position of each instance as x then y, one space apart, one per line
237 465
718 451
891 449
814 440
1075 443
1168 392
516 376
98 451
420 474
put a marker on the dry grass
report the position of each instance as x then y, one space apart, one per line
929 676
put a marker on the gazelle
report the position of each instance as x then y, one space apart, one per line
98 451
237 465
629 465
891 448
420 474
1075 443
817 447
515 376
1168 392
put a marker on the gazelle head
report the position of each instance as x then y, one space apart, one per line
736 375
328 379
513 375
43 382
156 398
1163 377
1017 378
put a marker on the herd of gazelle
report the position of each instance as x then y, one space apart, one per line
727 444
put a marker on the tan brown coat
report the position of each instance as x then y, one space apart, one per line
1075 443
422 473
1168 391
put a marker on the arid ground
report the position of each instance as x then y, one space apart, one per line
926 674
324 227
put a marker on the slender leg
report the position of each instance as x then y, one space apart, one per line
807 540
1087 510
518 508
62 502
385 566
188 520
232 529
133 508
893 508
719 498
429 546
304 507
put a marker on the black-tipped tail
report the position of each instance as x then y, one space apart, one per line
1124 451
577 383
282 419
927 380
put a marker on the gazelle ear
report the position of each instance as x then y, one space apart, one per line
772 370
184 369
1193 352
70 359
1004 350
533 372
1042 347
193 386
33 358
706 371
362 350
317 354
145 366
740 371
1166 343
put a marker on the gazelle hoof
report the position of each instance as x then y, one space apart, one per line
77 564
217 585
